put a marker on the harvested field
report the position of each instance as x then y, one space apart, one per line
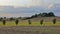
30 30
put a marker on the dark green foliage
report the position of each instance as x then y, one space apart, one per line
19 17
44 14
17 21
40 14
50 14
11 19
41 22
33 16
36 15
29 21
4 22
28 18
54 21
4 17
1 19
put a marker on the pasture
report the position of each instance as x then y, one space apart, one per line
30 27
26 23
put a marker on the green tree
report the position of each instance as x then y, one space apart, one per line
11 19
19 17
4 17
40 14
1 19
44 15
51 14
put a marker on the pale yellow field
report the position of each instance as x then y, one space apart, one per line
32 24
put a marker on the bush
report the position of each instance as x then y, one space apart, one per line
4 22
54 21
41 22
1 19
29 21
16 22
11 19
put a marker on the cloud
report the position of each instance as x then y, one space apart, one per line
51 6
19 7
21 3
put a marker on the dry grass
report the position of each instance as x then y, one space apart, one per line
29 30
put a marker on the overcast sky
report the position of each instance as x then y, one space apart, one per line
28 4
25 3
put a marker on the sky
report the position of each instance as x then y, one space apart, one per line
20 3
25 7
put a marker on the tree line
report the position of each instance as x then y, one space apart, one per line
50 14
